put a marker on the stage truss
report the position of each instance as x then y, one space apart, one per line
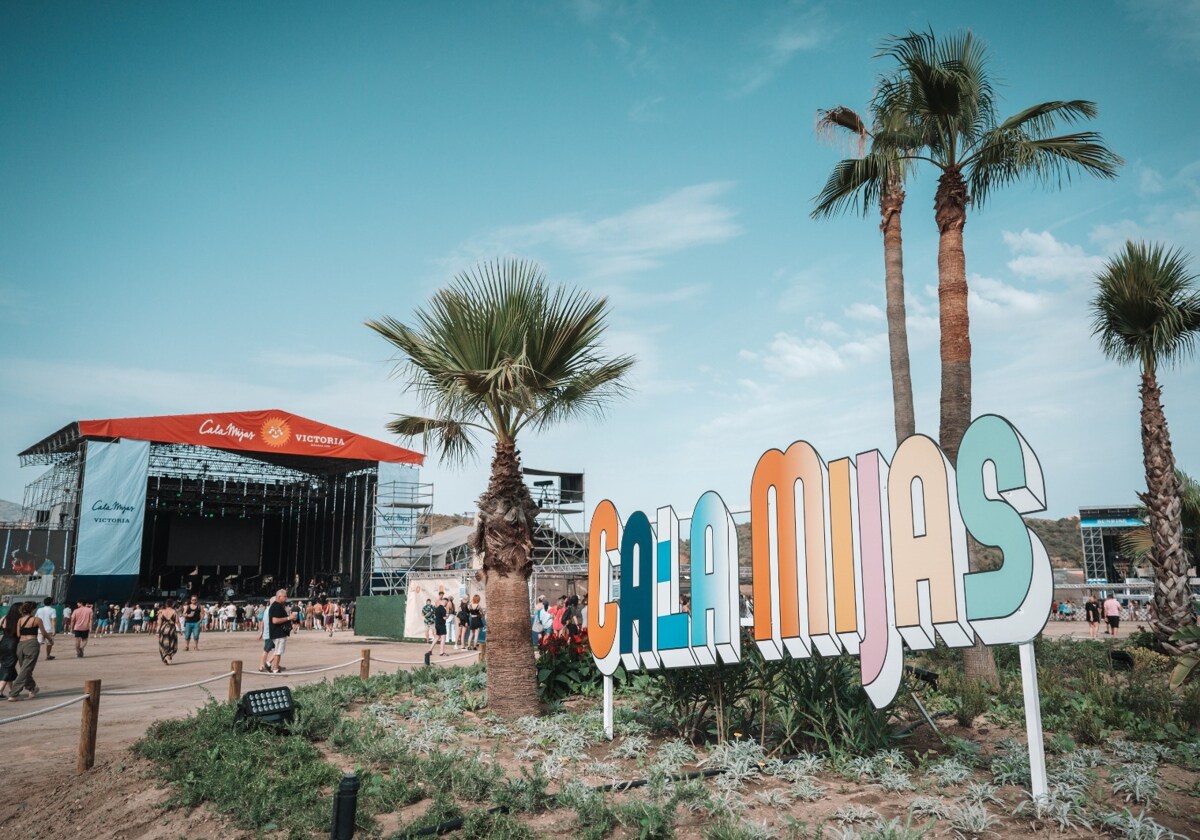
400 543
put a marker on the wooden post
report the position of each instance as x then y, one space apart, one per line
364 667
87 727
235 681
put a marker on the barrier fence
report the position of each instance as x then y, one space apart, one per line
90 715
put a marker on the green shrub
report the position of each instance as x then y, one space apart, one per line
565 666
479 824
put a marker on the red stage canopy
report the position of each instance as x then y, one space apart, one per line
252 431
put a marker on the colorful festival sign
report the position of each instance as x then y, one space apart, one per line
850 557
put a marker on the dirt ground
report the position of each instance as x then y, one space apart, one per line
120 797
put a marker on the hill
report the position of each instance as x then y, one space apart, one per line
9 511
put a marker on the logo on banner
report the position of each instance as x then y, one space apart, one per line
211 427
851 557
276 432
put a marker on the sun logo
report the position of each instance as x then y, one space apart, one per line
276 432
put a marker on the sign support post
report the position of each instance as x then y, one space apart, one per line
1033 722
608 707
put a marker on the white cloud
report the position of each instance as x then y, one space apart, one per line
795 357
864 312
1110 237
801 31
1176 22
1149 181
636 240
994 297
1043 257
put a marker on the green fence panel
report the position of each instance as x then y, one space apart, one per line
379 615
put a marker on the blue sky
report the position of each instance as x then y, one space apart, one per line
201 203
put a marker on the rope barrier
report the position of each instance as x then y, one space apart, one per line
454 658
54 708
131 692
301 673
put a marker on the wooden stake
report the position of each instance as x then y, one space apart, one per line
235 681
364 667
87 727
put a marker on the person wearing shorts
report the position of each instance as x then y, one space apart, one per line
1112 612
81 624
193 614
279 627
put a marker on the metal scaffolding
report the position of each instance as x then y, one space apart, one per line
400 543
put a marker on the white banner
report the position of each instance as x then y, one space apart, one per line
113 508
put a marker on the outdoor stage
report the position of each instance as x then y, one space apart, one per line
221 505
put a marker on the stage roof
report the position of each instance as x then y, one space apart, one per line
273 432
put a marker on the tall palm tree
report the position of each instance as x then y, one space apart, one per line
944 89
1147 312
497 353
876 177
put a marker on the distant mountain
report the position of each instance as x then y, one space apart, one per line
9 511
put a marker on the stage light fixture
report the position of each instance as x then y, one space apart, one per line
268 705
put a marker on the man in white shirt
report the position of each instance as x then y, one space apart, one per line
49 617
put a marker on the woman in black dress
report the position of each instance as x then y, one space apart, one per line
439 626
475 611
8 650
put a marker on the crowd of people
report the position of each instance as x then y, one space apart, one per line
1106 614
28 631
464 625
567 617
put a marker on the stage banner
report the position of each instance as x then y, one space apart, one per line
113 508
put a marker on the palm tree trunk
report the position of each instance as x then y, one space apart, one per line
504 539
1172 594
950 209
890 207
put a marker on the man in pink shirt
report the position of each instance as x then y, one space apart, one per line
81 624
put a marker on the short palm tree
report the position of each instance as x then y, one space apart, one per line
858 183
1147 312
1138 543
498 353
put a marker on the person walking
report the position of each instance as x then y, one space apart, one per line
1091 609
451 622
28 650
8 650
193 614
126 618
439 626
1112 613
280 627
81 625
168 632
427 612
475 611
49 617
464 623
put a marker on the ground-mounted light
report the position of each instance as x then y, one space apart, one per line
267 705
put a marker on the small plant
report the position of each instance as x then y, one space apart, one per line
1135 782
980 792
1139 827
648 820
855 814
971 820
930 806
1010 766
895 781
1062 806
807 789
894 829
633 748
950 771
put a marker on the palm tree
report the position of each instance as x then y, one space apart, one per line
944 91
878 176
499 352
1147 312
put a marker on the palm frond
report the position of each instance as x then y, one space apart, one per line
854 184
501 349
451 440
1005 157
847 119
1147 308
